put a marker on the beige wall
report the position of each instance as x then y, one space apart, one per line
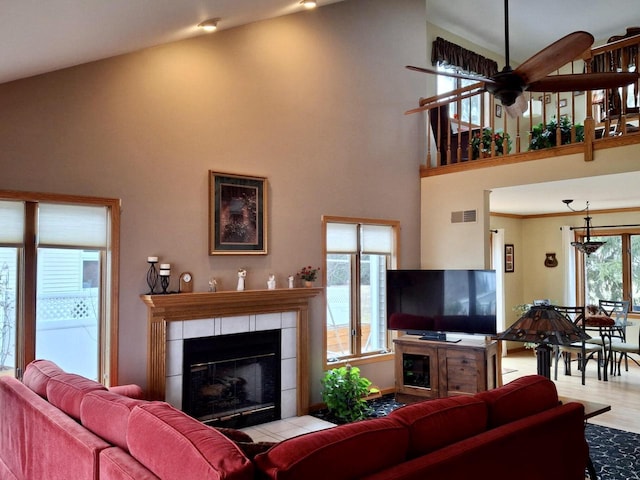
312 101
442 241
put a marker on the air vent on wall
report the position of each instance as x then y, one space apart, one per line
464 216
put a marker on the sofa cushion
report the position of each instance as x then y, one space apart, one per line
66 391
339 453
175 446
38 373
434 424
520 398
107 415
116 464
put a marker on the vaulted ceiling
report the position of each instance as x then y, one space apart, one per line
41 36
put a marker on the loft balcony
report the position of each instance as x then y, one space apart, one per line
472 130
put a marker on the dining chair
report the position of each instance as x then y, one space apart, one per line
625 349
585 351
618 311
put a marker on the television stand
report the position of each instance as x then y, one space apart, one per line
440 368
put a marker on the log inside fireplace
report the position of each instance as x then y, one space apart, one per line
233 380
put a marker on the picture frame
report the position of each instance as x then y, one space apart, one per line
499 111
237 214
562 103
545 98
509 258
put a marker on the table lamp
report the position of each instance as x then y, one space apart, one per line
544 325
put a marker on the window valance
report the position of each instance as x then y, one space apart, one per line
447 53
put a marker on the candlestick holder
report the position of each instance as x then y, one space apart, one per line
164 283
152 277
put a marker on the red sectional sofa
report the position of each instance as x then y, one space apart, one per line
55 425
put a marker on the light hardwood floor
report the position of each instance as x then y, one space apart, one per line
621 392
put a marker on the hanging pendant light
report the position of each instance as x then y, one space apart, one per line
589 246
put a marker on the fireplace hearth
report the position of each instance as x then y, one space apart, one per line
233 380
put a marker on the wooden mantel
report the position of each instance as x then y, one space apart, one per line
192 306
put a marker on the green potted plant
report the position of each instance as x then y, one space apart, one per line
544 135
345 391
481 143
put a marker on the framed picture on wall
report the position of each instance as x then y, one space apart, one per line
545 98
509 258
498 111
237 214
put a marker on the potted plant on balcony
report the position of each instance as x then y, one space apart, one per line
544 135
481 143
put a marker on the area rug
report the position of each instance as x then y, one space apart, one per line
615 453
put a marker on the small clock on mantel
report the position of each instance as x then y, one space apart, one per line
186 283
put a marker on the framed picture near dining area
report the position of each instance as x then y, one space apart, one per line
509 258
237 214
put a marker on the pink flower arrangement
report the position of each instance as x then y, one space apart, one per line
309 273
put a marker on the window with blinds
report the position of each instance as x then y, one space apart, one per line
55 282
357 255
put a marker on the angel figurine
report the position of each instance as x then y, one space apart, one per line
271 283
290 281
242 274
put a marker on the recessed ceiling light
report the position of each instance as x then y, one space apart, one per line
210 25
309 3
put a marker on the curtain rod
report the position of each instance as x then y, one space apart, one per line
605 226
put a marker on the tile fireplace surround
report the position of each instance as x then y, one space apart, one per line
174 317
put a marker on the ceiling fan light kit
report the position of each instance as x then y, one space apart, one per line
534 74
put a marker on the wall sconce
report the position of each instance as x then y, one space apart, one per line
210 25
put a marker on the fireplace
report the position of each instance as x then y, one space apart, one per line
173 319
233 380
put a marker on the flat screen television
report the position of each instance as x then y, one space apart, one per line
431 303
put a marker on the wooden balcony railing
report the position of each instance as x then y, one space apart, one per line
555 123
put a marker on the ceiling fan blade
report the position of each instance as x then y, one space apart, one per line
475 78
446 99
583 81
554 56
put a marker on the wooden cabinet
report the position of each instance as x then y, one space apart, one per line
432 369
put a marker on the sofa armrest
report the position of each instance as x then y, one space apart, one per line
131 390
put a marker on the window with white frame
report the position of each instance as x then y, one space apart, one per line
358 254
